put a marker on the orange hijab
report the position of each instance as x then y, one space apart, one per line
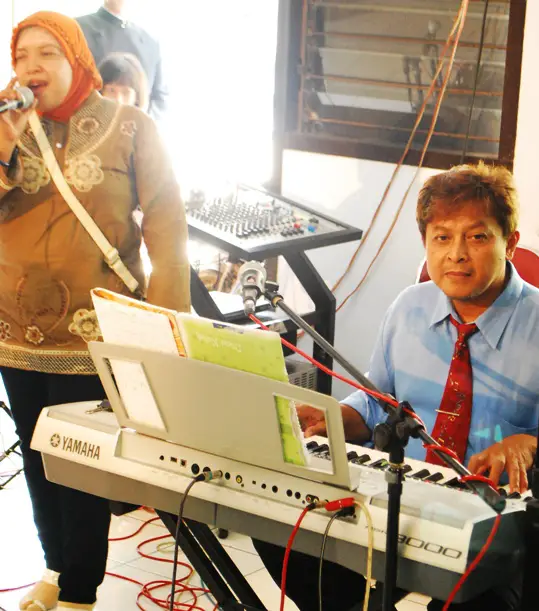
68 33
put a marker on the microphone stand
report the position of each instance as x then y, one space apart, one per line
530 590
392 437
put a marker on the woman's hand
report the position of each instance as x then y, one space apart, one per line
12 122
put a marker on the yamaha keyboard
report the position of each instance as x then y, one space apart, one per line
442 525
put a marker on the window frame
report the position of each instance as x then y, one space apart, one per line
286 101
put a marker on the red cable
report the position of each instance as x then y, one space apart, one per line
478 478
287 553
147 589
376 395
144 524
17 588
442 449
474 564
326 370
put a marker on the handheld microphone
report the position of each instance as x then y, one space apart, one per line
26 99
252 277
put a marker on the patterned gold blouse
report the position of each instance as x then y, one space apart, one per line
115 163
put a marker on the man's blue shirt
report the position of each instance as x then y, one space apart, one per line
414 349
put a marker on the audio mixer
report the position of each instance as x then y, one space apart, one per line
253 223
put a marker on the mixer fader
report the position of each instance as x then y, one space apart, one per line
254 223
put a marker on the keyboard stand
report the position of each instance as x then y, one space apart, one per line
215 567
13 449
192 413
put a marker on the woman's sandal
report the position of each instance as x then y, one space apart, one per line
42 597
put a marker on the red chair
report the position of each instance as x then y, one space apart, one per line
525 261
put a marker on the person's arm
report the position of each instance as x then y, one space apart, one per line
159 93
164 225
12 125
11 171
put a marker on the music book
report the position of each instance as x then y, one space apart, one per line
128 322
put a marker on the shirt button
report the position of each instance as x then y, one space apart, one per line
58 145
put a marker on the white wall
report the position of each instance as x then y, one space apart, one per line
350 190
526 168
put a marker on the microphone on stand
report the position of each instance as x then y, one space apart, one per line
26 99
252 276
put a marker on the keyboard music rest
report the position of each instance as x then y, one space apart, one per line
129 468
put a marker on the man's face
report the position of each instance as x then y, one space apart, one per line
41 65
466 252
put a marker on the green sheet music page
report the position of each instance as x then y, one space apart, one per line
252 351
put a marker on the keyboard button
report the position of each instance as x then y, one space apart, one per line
514 495
311 445
455 483
379 464
351 455
435 477
406 469
360 460
421 474
323 448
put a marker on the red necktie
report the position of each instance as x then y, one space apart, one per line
452 425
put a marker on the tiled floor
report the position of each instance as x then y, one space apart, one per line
21 558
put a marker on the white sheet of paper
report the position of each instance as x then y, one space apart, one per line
127 326
136 393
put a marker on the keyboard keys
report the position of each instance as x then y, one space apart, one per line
421 474
379 464
435 477
456 483
322 448
361 460
351 455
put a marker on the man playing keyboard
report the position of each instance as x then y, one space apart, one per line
463 350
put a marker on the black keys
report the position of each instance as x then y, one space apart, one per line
514 495
379 464
456 483
422 474
351 455
361 460
406 469
311 445
321 448
435 477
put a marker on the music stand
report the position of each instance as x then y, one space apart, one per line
186 416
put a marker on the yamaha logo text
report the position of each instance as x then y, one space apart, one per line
76 446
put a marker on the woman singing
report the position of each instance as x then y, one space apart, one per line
112 158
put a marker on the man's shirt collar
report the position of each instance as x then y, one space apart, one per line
493 321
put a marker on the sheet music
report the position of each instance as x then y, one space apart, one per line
136 393
131 326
